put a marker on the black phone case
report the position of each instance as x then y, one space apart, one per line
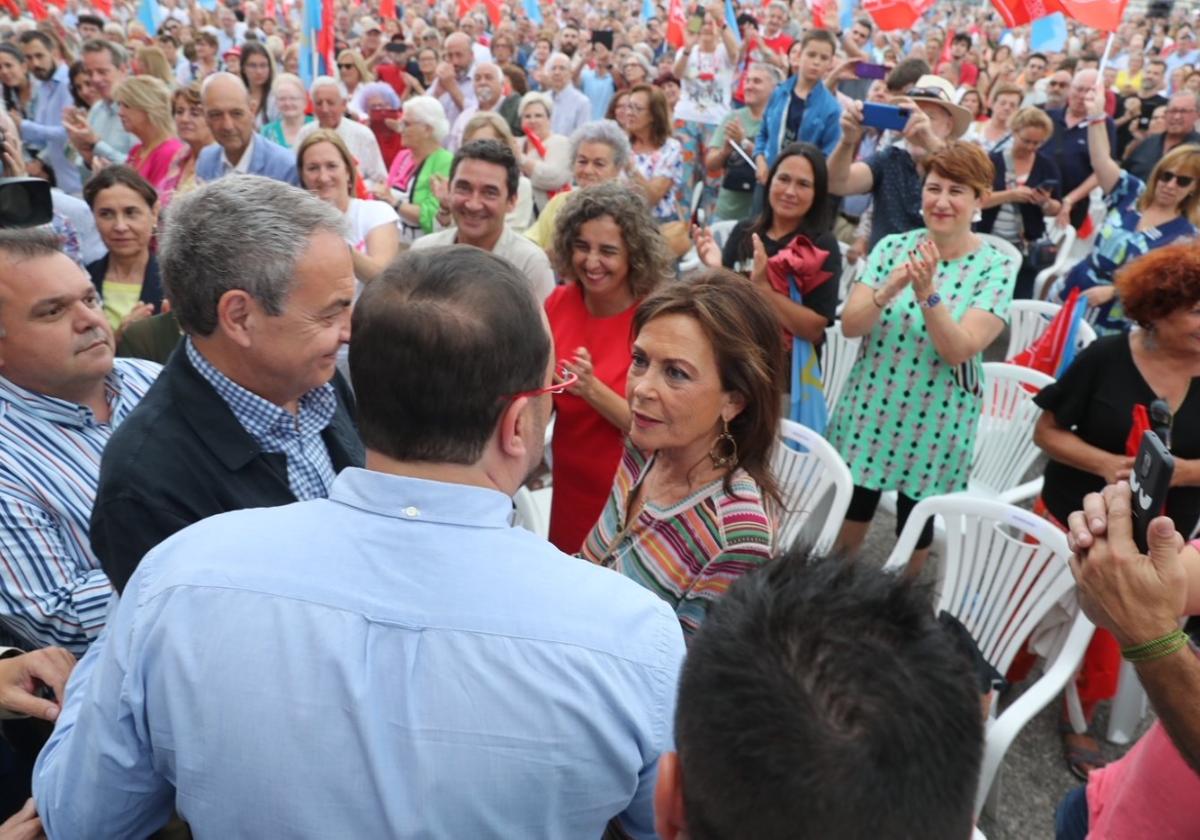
1149 481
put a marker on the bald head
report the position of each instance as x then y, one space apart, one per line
457 49
227 111
1083 83
1182 111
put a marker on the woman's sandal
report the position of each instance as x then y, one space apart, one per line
1081 758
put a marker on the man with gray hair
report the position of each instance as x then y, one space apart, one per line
249 410
329 105
238 149
1180 128
571 108
489 88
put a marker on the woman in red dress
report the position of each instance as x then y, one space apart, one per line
611 254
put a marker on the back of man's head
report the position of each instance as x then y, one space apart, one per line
824 700
441 338
905 74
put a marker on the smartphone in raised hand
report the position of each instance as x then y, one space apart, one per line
1149 482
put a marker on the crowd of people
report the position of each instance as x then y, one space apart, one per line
302 326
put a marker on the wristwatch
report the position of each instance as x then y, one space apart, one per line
931 301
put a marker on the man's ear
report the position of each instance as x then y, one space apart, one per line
514 428
236 316
669 820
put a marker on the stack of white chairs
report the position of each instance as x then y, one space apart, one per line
838 355
816 487
1002 572
1028 319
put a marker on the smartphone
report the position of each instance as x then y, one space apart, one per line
1149 481
695 22
885 117
396 48
867 70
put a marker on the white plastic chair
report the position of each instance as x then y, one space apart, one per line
1028 319
720 232
1064 238
1004 246
816 487
1001 585
531 513
1004 447
838 355
851 271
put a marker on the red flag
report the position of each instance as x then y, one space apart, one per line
1045 354
676 24
325 37
818 13
1104 15
492 7
104 7
11 7
38 9
890 15
269 9
387 9
62 4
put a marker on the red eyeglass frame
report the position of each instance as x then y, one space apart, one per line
568 379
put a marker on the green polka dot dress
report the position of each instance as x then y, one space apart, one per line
906 420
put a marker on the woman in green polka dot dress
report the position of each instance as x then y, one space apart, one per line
927 305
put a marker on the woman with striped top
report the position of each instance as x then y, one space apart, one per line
689 509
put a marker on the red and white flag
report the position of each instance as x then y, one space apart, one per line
890 15
676 24
1104 15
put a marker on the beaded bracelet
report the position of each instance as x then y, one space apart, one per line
1156 648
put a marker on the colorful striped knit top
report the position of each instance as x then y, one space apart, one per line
689 553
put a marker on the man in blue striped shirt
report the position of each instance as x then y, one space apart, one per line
61 396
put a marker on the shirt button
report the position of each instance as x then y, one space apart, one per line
411 511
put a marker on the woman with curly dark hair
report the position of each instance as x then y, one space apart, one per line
611 254
1089 413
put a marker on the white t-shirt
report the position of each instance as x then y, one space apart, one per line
706 87
362 217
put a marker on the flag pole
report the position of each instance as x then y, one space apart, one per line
1107 52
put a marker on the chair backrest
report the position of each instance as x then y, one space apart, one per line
1004 447
1003 570
527 515
1028 319
851 271
1003 245
720 231
838 355
816 486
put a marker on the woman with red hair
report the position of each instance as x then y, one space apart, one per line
1091 426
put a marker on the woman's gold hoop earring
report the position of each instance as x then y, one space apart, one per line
724 452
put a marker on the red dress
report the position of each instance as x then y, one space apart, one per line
586 447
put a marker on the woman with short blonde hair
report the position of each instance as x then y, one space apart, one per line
144 106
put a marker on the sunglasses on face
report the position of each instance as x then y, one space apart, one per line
345 66
1183 181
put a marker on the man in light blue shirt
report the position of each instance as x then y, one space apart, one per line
397 660
44 127
571 108
101 134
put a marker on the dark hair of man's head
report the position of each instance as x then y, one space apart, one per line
823 700
490 151
1034 55
441 338
819 36
962 38
94 20
905 74
42 38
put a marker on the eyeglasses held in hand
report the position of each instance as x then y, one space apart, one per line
568 378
